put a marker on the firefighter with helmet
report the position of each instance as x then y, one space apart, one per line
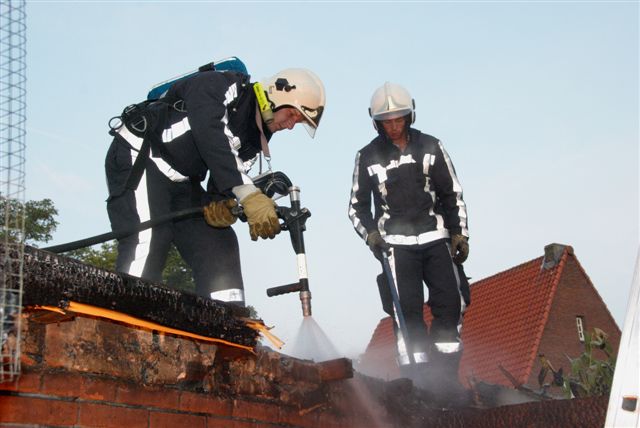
419 222
212 123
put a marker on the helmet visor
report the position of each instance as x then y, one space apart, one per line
311 118
393 114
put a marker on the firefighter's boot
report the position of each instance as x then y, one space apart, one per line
443 382
413 372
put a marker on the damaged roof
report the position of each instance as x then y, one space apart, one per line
503 326
63 285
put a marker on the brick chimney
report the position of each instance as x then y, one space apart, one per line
553 253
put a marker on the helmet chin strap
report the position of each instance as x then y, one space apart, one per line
263 142
263 113
263 103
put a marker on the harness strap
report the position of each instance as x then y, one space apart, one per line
151 139
154 136
135 175
263 140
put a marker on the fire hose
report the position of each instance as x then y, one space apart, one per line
293 217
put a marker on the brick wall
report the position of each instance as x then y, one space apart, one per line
64 399
92 373
575 296
82 400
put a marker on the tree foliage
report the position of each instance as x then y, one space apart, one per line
103 257
590 375
177 274
39 220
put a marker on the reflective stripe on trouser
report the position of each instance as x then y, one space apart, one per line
446 298
411 297
229 295
141 251
465 300
402 343
448 347
387 306
412 269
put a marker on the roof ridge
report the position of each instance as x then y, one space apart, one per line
593 287
380 327
559 268
506 270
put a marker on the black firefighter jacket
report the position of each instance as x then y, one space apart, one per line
416 194
204 123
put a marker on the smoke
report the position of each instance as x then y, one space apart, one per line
376 366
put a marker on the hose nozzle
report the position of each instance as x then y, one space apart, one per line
305 299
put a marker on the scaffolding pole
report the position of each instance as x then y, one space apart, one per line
12 180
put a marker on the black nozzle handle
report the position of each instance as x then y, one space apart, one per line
284 289
238 211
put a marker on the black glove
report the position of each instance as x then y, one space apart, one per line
459 248
376 244
218 214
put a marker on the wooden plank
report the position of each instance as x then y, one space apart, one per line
47 317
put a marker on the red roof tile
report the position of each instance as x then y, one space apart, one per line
502 327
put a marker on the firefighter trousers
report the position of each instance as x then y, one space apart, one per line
211 253
448 297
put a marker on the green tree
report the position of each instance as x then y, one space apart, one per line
590 374
177 273
103 257
39 220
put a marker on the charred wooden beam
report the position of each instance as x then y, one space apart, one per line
55 280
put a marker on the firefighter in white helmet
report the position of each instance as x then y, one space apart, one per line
299 89
419 220
211 123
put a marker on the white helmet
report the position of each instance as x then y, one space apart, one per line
391 101
298 88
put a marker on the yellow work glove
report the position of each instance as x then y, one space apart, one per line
218 213
261 216
459 248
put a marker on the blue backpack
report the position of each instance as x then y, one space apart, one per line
228 64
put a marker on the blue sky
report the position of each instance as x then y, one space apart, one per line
536 103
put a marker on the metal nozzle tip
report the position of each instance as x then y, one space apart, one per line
305 299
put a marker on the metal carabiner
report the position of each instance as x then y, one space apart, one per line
135 125
113 125
179 106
